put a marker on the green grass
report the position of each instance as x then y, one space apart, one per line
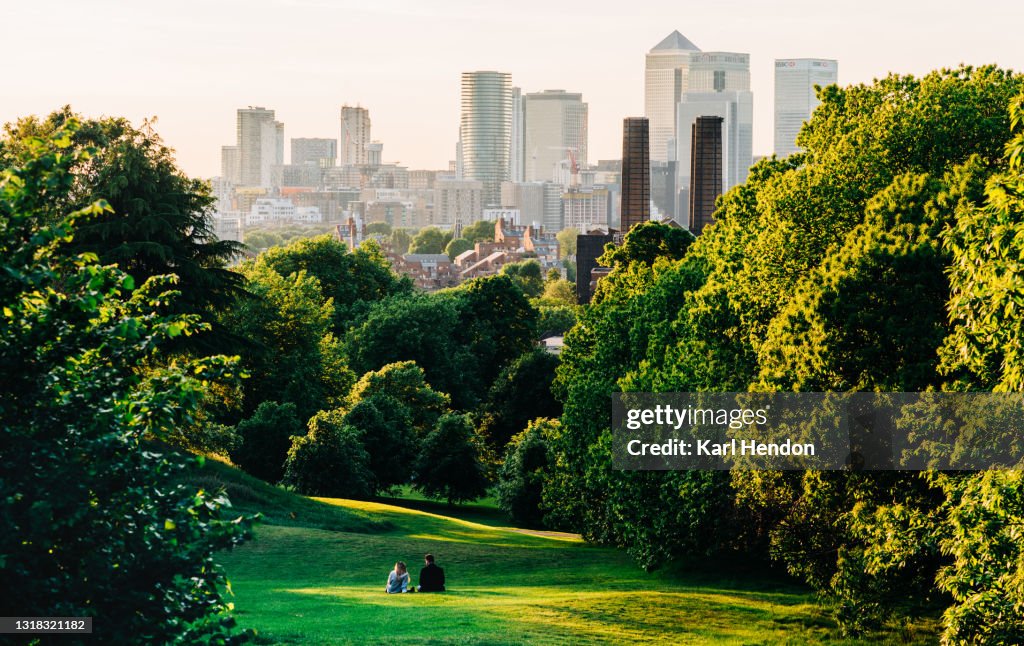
311 580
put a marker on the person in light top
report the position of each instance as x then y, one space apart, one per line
398 579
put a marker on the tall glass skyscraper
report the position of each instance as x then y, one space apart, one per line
795 98
666 76
485 131
556 131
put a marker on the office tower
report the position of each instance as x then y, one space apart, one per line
319 152
636 173
355 135
552 219
665 79
374 153
517 163
719 86
260 145
556 131
795 98
705 171
585 208
485 131
229 164
527 198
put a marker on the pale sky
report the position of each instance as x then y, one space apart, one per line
192 63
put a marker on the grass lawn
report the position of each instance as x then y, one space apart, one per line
317 577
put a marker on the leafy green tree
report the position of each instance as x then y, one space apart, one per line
159 221
293 356
385 429
558 292
91 520
329 460
259 240
521 392
527 274
378 228
430 240
555 320
567 242
523 473
449 465
403 382
400 241
352 280
479 231
457 246
264 440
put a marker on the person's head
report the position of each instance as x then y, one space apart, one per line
429 558
400 568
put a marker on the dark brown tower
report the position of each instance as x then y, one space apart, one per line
705 171
636 173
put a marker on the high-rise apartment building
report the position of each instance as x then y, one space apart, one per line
556 131
457 202
795 97
260 145
485 131
517 146
355 135
636 173
666 76
316 151
719 86
705 171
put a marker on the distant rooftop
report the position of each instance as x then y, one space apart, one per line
675 40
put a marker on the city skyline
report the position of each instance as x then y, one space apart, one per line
193 76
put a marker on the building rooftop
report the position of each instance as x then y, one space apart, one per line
426 257
675 40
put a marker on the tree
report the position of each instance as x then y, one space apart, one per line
329 460
400 241
457 246
558 292
378 228
479 231
523 473
521 392
567 242
555 320
449 465
159 219
264 440
91 520
352 280
430 240
527 274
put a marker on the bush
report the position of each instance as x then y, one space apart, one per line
329 460
264 440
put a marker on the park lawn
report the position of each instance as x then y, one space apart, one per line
310 585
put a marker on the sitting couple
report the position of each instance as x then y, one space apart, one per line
431 578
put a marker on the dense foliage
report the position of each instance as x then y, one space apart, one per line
91 522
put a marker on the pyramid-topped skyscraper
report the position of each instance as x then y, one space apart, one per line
665 79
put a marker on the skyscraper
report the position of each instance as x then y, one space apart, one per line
485 131
229 164
355 135
517 160
665 79
260 145
636 172
795 98
705 171
719 85
556 130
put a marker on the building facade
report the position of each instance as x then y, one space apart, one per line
795 97
457 202
705 171
316 151
260 146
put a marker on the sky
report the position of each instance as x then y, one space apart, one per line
192 63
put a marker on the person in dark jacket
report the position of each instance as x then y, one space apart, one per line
431 576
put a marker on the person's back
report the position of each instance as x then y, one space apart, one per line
431 576
398 579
